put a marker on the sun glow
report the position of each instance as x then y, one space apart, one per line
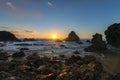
54 36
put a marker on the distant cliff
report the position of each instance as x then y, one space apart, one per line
7 36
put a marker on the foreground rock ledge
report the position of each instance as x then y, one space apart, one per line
34 67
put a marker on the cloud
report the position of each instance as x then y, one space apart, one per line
27 31
10 5
23 33
50 4
4 27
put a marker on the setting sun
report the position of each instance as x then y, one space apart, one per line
54 36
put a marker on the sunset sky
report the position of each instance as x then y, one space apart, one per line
41 18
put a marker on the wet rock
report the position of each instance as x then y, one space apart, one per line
97 44
89 58
33 57
74 59
64 76
88 41
76 52
18 56
63 46
4 56
114 77
113 34
52 68
34 61
23 49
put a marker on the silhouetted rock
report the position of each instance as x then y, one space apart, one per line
113 34
29 39
97 44
73 37
88 41
7 36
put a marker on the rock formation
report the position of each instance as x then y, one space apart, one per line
97 44
113 35
7 36
116 77
45 68
73 37
29 39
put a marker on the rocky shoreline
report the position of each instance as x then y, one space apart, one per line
36 67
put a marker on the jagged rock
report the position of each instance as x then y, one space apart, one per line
18 56
7 36
74 59
45 68
73 37
97 44
89 58
113 35
76 52
33 56
4 55
114 77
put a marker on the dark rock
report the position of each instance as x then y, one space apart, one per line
76 52
63 46
7 36
113 35
89 58
18 54
62 56
115 77
45 68
88 41
33 57
74 59
73 37
23 49
4 55
29 39
97 44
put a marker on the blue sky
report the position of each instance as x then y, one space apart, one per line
41 18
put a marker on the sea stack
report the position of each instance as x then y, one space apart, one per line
97 44
113 35
73 37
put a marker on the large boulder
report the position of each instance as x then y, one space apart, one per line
7 36
113 35
97 44
73 37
